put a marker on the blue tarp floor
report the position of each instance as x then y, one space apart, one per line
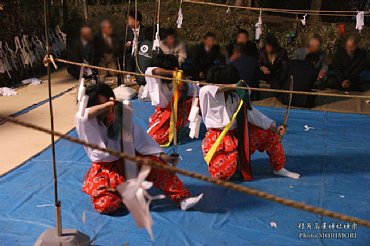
333 159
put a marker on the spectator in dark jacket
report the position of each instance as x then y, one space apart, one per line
273 62
247 67
81 50
304 75
135 34
349 62
242 37
106 48
205 55
314 46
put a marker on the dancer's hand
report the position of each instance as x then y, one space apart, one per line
346 84
265 70
281 130
321 75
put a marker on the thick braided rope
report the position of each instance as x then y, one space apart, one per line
225 184
286 11
324 94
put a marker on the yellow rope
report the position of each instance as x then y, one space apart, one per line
225 184
324 94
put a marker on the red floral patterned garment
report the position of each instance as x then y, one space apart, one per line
159 122
103 177
225 161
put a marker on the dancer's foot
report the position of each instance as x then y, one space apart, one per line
285 173
190 202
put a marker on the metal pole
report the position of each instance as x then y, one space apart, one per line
57 203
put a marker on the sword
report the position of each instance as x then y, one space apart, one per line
286 116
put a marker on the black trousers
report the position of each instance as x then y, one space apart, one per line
357 84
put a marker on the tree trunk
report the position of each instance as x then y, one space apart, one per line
247 3
316 5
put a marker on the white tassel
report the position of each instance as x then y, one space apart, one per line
82 106
195 127
194 111
304 20
157 39
360 21
259 27
194 118
81 90
180 17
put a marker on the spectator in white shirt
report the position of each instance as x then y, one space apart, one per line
173 46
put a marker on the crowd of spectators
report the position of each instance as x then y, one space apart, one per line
308 65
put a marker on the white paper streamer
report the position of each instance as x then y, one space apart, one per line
259 27
157 39
32 81
180 16
360 21
5 91
137 200
304 20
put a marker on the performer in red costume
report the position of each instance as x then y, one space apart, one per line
107 171
162 97
249 130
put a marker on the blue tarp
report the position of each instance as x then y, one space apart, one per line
333 159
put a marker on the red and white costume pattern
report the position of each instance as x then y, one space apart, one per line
217 110
107 171
161 97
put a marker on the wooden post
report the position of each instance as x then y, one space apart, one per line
65 12
316 5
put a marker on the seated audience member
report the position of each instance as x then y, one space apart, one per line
171 45
135 35
205 55
304 74
273 62
314 46
348 64
242 37
81 50
106 48
247 67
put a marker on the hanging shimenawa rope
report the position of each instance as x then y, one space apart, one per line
340 13
324 94
225 184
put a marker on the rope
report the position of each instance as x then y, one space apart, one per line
274 10
136 36
324 94
225 184
126 33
